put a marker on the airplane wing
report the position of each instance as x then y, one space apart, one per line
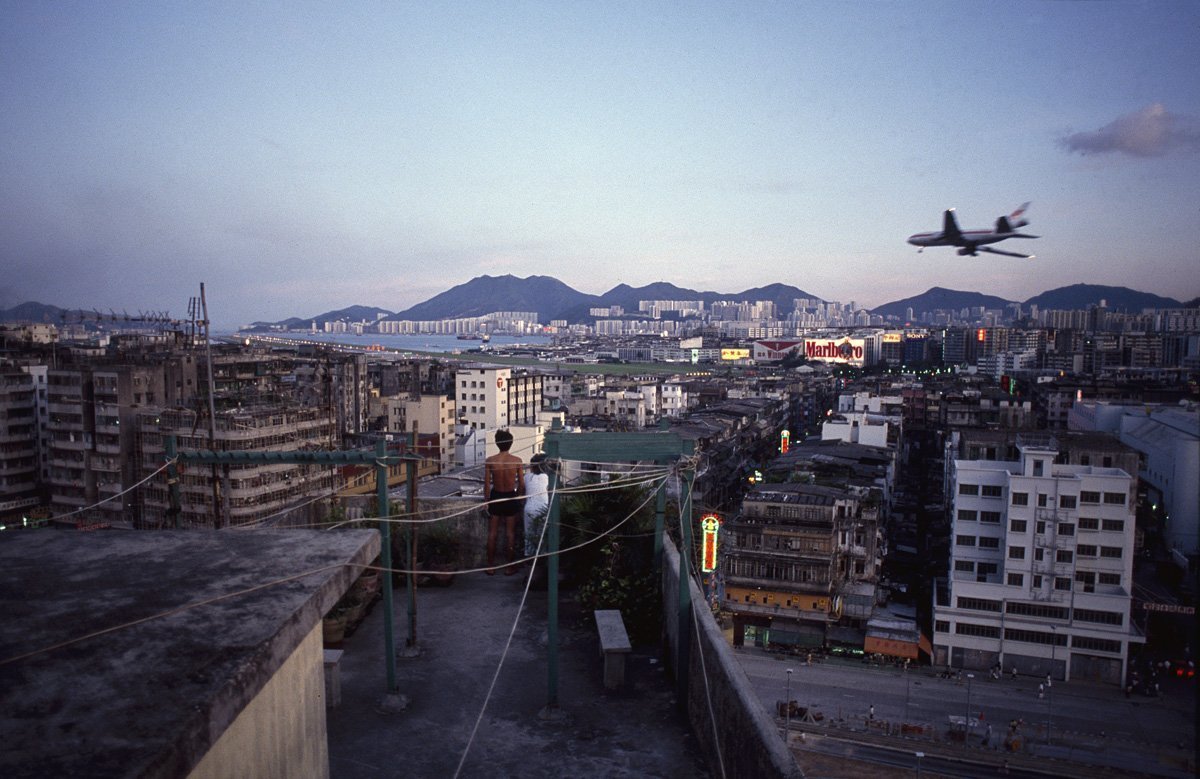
1006 254
950 229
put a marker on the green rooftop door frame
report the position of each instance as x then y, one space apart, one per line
379 458
663 447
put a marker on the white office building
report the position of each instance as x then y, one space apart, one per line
1041 567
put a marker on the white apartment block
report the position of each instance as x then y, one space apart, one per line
1041 568
490 398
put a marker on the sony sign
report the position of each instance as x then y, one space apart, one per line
846 350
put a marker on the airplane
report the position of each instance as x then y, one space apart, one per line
970 242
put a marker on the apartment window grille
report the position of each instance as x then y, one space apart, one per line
970 629
1095 644
1112 552
1020 498
1016 553
1017 526
1039 610
992 517
1016 579
992 491
979 604
968 489
1111 578
1117 525
1066 501
1089 523
1114 499
1100 617
965 540
1087 496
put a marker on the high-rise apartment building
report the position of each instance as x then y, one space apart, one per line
1041 568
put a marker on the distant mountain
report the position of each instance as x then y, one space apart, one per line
1078 297
624 295
548 296
348 314
33 312
939 298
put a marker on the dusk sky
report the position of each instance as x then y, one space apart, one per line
300 157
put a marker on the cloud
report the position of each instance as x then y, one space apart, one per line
1150 132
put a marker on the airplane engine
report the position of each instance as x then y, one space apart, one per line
963 252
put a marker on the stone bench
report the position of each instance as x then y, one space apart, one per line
614 646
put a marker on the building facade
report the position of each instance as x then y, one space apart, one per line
1041 567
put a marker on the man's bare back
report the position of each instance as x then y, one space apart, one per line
502 472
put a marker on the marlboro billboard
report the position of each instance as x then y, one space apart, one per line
841 350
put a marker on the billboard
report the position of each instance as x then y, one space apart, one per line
735 354
775 350
848 351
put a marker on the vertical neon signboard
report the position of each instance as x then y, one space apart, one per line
709 525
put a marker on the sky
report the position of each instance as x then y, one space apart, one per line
304 157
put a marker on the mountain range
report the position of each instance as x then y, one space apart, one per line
552 299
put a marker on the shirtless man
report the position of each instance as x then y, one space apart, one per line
502 488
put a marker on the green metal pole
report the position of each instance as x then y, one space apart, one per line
552 517
410 478
173 508
683 654
385 557
660 514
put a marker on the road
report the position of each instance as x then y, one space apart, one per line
1087 721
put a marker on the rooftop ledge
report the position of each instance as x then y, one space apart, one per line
129 653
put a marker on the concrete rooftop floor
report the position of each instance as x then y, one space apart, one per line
462 631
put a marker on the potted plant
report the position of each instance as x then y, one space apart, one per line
438 546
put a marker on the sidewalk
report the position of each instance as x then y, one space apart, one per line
462 631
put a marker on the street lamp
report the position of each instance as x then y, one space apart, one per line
787 708
919 756
967 721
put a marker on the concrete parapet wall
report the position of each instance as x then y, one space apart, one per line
738 734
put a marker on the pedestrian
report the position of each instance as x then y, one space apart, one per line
1041 691
987 736
537 502
871 711
1014 673
502 487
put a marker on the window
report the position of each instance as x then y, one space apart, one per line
1038 467
1020 498
1041 500
992 491
1095 644
987 542
965 540
1066 501
1086 496
1100 617
1113 552
1111 578
967 515
1066 529
987 568
1086 550
1034 637
1016 580
984 631
1113 524
1114 499
968 489
1040 610
989 516
1037 581
1062 582
1016 553
979 604
1089 523
1017 526
941 626
1063 556
964 565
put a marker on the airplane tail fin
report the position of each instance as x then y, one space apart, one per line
1017 218
1010 223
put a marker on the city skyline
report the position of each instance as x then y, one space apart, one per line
304 160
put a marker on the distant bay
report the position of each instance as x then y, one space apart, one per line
413 343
